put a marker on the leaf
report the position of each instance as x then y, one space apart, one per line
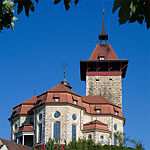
117 4
27 11
67 4
14 18
37 1
19 7
124 12
56 1
76 2
12 25
32 6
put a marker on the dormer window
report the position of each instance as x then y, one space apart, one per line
39 102
75 102
98 111
56 99
116 113
101 57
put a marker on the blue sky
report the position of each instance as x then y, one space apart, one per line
32 55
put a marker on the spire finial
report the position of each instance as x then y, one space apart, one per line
64 82
103 35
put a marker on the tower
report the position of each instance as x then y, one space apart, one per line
103 72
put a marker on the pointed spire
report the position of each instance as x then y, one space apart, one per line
103 35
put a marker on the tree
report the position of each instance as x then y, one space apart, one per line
129 10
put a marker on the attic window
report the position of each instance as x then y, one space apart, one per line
56 99
101 57
75 102
98 111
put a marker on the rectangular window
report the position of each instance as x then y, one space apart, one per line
40 133
57 130
116 113
56 99
73 132
98 111
75 102
115 139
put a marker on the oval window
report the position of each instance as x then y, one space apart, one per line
57 114
115 126
40 116
16 126
74 117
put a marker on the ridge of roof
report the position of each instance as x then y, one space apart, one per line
95 122
14 146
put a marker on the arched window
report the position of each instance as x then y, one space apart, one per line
115 139
101 138
73 132
40 132
57 130
89 136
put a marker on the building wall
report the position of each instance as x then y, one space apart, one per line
96 136
37 112
17 122
108 86
66 122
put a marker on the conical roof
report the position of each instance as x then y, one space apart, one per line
104 50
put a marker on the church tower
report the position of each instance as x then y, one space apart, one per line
103 72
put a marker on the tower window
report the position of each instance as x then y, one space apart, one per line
98 111
56 99
101 57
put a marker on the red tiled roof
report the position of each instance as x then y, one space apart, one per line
67 96
61 88
26 128
31 100
96 124
104 50
14 146
96 99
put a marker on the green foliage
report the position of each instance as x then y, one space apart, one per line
133 10
129 10
137 144
83 144
7 14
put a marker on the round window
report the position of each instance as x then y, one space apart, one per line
40 116
57 114
74 117
115 126
15 126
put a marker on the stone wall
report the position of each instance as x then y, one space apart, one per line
108 86
66 122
